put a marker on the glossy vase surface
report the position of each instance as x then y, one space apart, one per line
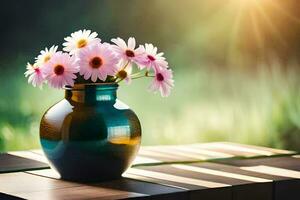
90 135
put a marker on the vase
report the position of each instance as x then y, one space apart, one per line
90 135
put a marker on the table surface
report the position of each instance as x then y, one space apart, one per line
218 170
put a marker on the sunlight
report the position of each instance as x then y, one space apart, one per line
261 11
256 24
284 12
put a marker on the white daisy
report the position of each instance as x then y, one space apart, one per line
80 40
45 55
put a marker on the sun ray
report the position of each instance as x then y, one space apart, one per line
266 18
234 33
282 11
257 33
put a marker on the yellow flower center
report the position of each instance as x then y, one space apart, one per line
122 74
47 58
81 43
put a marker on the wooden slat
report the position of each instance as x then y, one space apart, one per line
219 172
285 162
164 172
20 182
194 192
9 197
237 172
125 184
242 150
181 153
47 173
206 152
83 192
12 163
30 186
197 189
285 171
209 175
139 183
156 191
247 185
30 155
228 178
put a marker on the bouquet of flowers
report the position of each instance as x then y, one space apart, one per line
88 60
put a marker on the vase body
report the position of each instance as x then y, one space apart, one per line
90 135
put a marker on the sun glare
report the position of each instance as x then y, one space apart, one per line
258 22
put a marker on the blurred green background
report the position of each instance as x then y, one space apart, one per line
236 65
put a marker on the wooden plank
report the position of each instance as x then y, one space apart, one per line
19 182
223 179
243 150
156 191
242 183
286 162
82 192
180 153
247 185
285 172
138 160
9 197
198 186
193 192
12 163
30 186
158 188
222 171
287 189
266 151
159 191
210 175
30 155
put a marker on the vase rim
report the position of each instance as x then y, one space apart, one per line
100 86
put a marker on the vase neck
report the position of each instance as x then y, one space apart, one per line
88 93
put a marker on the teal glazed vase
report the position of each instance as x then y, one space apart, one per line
90 135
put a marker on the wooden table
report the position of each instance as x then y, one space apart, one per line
198 171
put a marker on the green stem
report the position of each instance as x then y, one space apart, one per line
125 66
137 77
136 74
144 75
150 76
119 80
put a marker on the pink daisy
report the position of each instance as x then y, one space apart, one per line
97 61
128 52
60 70
35 73
80 40
153 59
163 81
